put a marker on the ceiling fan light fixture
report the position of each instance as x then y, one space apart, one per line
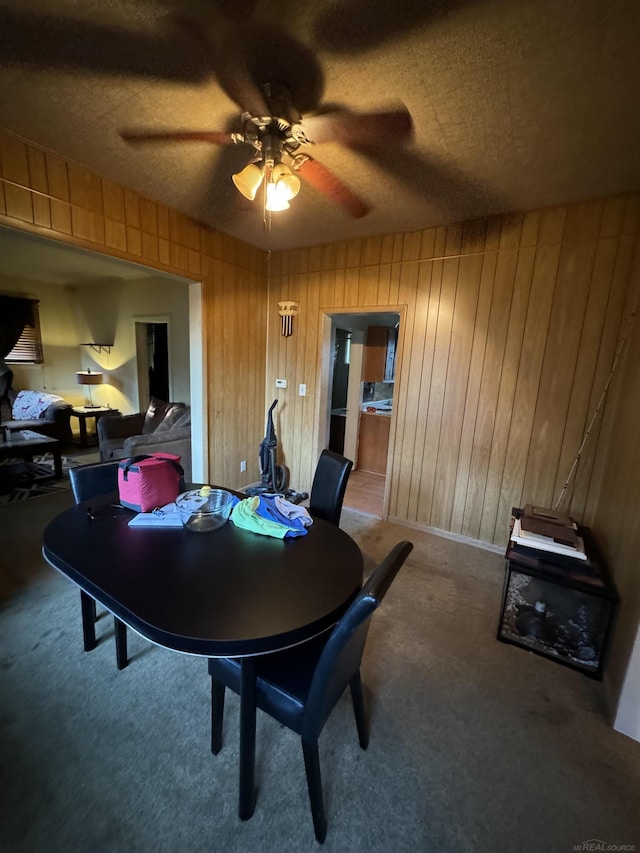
248 181
277 198
287 183
291 184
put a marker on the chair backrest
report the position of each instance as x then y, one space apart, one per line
342 654
329 486
98 478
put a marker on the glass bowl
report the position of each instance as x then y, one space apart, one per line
205 509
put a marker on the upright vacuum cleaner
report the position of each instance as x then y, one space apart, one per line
274 476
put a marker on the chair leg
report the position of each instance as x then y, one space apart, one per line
357 698
247 738
88 608
121 643
314 784
217 715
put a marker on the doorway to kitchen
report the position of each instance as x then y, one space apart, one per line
360 397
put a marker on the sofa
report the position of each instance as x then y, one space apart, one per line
163 428
39 411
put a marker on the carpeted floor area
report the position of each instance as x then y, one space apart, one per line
21 480
475 745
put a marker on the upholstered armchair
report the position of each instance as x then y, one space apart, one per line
163 428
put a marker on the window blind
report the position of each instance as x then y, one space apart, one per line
28 349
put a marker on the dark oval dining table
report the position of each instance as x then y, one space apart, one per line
227 593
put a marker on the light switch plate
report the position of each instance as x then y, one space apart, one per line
281 383
302 390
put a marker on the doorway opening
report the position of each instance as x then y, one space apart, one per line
360 401
152 353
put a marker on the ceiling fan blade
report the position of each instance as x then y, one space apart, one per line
220 45
332 187
359 128
215 137
51 40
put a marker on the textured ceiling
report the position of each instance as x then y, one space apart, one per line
516 104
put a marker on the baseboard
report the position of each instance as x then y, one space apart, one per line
446 534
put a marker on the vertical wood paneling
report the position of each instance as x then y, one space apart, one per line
414 409
498 477
18 203
496 383
526 390
591 341
312 362
451 316
617 325
478 348
489 388
408 403
14 160
567 317
465 311
444 278
507 333
614 515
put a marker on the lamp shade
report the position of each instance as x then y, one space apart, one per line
248 180
276 198
288 184
88 377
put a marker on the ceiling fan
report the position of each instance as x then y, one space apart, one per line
281 138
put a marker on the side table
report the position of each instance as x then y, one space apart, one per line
85 412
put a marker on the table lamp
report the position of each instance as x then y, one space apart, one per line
89 377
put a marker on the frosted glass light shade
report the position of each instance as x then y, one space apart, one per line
288 184
248 180
276 197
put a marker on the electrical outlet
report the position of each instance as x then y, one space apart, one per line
302 390
243 466
281 383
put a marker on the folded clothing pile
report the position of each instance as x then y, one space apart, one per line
271 515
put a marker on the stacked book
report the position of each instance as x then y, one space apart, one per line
548 530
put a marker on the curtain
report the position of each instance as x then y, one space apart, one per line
15 313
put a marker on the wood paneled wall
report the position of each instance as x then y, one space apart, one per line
46 195
511 325
616 520
511 328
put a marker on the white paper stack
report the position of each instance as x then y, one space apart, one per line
547 543
165 516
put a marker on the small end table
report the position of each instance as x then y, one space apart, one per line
84 412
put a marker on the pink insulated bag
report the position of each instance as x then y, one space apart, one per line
147 482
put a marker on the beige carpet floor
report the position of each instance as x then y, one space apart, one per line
475 745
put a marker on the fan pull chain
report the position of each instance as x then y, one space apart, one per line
616 359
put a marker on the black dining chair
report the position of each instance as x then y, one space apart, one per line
89 481
301 685
329 486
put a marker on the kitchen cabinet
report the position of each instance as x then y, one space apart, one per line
375 353
373 442
379 354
